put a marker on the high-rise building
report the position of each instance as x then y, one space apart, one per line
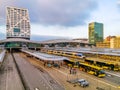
95 32
18 23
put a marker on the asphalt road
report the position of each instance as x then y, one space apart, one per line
9 77
34 78
113 77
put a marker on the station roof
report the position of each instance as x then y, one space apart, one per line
46 57
45 42
17 40
65 41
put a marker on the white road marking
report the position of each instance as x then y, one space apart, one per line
36 89
7 80
88 77
112 74
46 81
60 71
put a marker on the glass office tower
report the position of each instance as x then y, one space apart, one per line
95 32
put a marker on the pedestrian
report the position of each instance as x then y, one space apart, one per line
70 71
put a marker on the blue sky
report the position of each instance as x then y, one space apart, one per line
67 18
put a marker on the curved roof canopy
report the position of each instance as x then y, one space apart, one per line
44 56
17 40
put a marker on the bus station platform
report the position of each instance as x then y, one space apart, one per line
45 57
48 59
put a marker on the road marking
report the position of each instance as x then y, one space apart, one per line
113 74
60 71
45 81
36 89
88 77
7 80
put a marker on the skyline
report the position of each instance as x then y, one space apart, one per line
67 18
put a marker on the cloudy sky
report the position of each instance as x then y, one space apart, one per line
66 18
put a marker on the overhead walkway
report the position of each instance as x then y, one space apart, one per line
44 56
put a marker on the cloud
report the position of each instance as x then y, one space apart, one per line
62 31
3 4
57 12
45 37
2 36
118 2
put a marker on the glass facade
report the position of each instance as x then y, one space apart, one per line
16 29
95 32
12 44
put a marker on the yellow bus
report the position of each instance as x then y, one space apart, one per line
91 69
108 65
111 65
71 63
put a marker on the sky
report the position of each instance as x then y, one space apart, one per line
66 18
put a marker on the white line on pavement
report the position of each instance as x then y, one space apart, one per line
60 71
88 77
7 80
113 74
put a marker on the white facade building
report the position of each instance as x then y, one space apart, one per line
18 23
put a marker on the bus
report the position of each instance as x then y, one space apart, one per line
108 65
71 63
104 64
91 69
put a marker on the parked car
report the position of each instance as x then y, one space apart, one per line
83 82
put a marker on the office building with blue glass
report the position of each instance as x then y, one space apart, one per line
95 32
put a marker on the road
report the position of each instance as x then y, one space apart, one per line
113 76
9 77
35 79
